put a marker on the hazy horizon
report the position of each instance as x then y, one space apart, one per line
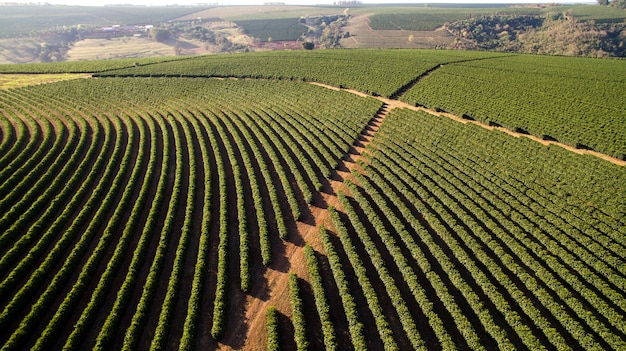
261 2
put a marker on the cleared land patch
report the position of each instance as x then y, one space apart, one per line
363 36
128 47
8 81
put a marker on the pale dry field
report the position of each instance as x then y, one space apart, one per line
98 49
8 81
257 11
18 50
362 36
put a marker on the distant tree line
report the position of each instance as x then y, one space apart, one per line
553 34
616 3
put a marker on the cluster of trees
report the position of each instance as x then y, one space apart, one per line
552 34
332 32
193 30
616 3
492 32
561 36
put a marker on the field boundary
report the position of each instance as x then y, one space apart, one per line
393 103
403 89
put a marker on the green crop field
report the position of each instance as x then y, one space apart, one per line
82 66
418 21
372 71
21 20
273 29
427 19
227 202
598 14
575 101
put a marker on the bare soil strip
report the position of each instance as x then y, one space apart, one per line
272 290
399 104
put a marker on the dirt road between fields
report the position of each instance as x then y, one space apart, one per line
399 104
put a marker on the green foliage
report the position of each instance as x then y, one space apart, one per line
83 66
570 99
297 317
382 271
321 301
271 317
553 33
597 14
115 191
428 20
495 32
436 170
380 72
75 181
22 20
355 326
273 29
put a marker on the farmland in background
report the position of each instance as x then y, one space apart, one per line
571 100
274 29
428 19
378 72
22 20
47 33
225 202
542 96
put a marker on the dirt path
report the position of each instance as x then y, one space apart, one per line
273 290
399 104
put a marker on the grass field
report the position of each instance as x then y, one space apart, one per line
227 202
102 49
8 81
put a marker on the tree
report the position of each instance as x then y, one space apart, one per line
619 3
603 2
160 35
307 45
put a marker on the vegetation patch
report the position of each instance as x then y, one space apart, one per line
8 81
542 95
274 29
158 207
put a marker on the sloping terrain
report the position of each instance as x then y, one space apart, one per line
170 205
